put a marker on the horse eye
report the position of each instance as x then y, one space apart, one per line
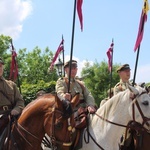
145 103
59 125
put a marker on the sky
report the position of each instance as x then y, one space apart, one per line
33 23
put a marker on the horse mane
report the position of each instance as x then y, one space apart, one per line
110 107
42 100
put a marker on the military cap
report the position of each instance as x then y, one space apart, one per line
1 61
74 63
123 67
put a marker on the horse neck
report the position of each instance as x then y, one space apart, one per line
117 108
114 112
31 126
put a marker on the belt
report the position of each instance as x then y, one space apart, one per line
5 108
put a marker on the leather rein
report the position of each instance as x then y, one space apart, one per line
70 130
52 136
128 126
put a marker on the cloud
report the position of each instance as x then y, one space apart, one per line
13 13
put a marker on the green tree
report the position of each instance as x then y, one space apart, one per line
97 79
33 69
5 53
33 66
4 44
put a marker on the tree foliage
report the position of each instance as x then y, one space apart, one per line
33 69
97 79
34 76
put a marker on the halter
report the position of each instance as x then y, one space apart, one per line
54 142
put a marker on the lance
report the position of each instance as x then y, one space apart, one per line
72 42
63 56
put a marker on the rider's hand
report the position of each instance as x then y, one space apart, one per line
132 95
91 109
67 96
14 112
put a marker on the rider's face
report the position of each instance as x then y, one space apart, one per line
73 71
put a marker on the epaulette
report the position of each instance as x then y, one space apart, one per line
117 84
61 79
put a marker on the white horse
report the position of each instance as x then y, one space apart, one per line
118 110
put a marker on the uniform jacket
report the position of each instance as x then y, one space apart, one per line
75 87
10 95
121 86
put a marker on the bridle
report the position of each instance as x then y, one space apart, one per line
70 130
54 142
135 102
128 126
19 127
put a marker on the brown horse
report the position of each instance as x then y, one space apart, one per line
45 115
141 136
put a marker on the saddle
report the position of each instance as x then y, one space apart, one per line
80 117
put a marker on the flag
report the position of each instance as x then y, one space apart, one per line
110 56
14 67
59 50
143 19
79 10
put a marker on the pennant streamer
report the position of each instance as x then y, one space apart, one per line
14 67
143 19
79 10
109 55
59 50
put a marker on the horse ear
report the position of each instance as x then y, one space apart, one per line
75 100
133 90
58 102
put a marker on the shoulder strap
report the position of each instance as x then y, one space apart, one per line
82 86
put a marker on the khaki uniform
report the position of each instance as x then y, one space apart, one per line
10 96
75 87
121 86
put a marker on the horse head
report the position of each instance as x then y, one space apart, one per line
111 119
60 128
140 106
45 115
